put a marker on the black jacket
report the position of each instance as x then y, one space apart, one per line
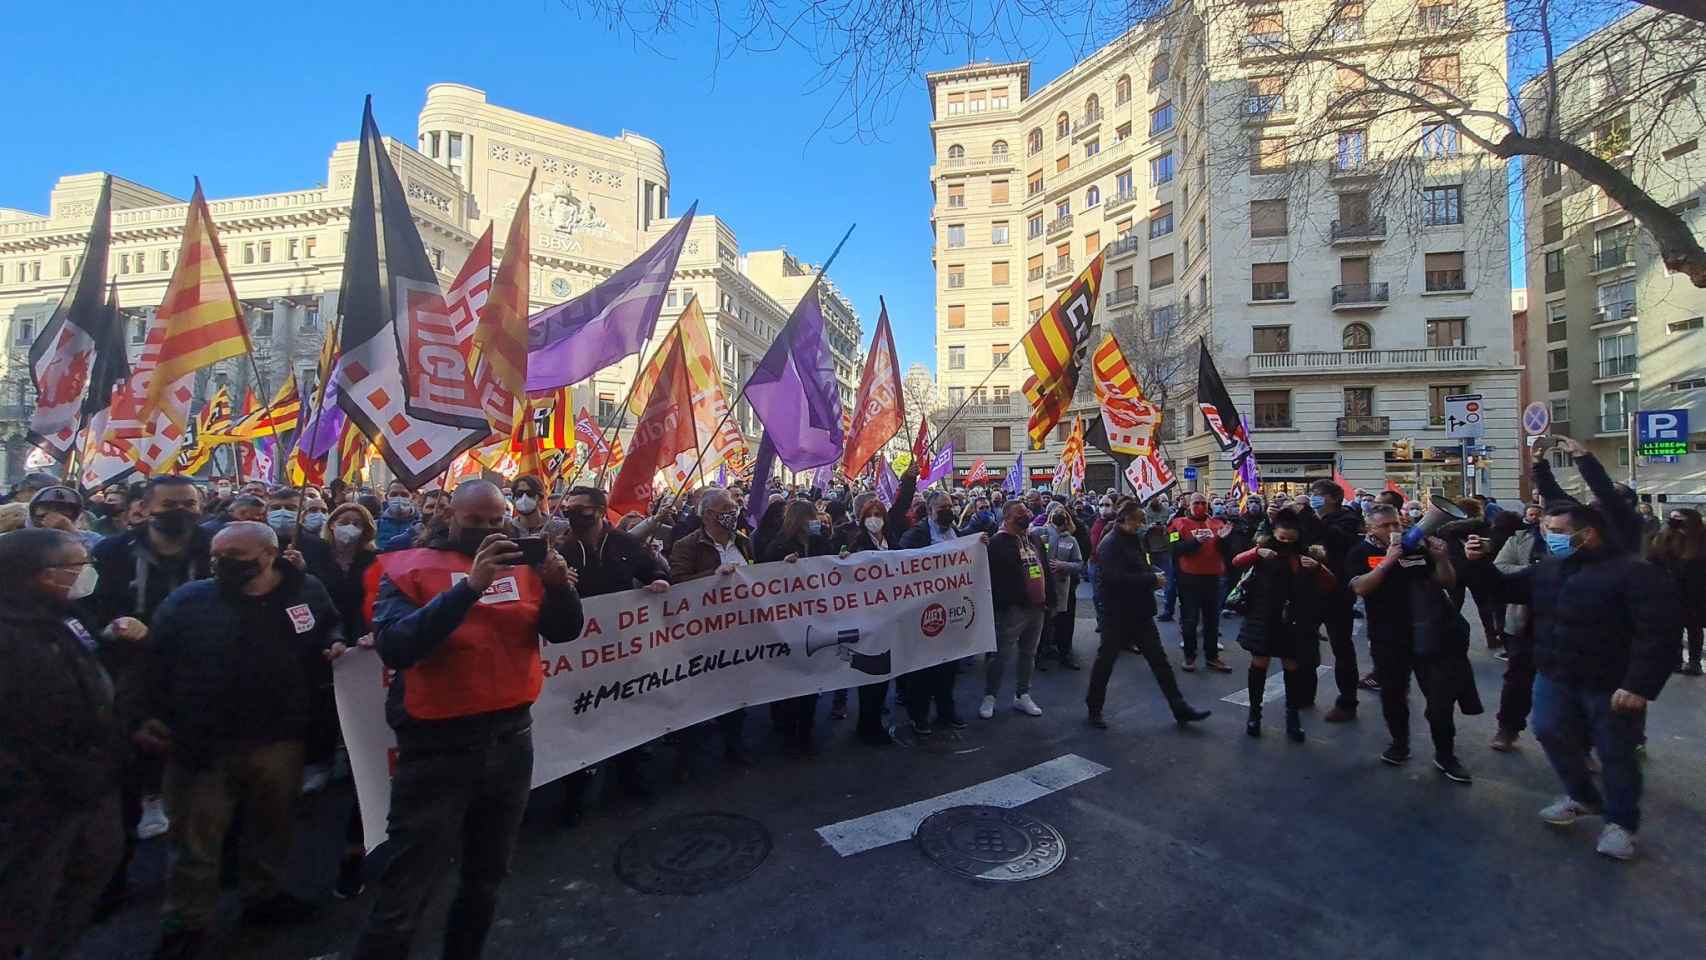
620 562
134 581
61 744
1127 580
348 588
779 548
1626 524
1604 620
1336 533
1007 570
230 670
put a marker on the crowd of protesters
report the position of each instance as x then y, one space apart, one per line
169 649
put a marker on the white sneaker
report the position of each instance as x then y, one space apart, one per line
986 709
153 822
315 776
1024 704
1616 843
1565 811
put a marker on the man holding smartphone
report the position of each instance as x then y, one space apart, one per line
460 621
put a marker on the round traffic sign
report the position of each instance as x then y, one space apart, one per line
1536 417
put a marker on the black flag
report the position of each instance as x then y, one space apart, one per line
1216 403
112 363
63 353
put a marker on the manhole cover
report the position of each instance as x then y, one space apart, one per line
990 843
692 853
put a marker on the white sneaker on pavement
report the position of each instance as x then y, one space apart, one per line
153 822
1024 704
1616 842
986 709
1565 811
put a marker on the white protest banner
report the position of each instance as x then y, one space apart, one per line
649 663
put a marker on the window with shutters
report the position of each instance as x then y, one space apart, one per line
1444 71
1347 22
1161 119
998 273
997 191
999 315
956 275
1451 332
1033 309
1273 409
956 234
1034 183
1122 228
998 233
997 353
1034 142
1063 163
1062 126
1270 281
1161 221
1092 244
956 104
956 357
1444 271
1063 254
956 317
1268 218
1034 267
1161 271
1267 155
1161 169
1122 91
956 195
1002 440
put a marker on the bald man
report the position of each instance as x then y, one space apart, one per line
460 620
229 695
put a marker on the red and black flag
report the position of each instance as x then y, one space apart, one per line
65 353
1216 404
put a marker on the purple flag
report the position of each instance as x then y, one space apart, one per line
571 341
1016 481
793 391
322 430
888 485
759 496
823 476
941 465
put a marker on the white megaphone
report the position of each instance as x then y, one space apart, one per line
824 639
1441 511
844 641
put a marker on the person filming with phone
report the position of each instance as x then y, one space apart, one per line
460 620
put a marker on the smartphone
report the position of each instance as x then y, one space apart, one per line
532 550
1397 539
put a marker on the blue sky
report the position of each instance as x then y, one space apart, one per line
252 100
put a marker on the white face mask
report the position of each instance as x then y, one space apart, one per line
526 503
346 533
84 585
874 525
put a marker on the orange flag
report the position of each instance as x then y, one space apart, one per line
710 403
500 375
664 432
881 411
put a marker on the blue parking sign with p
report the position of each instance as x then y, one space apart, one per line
1661 433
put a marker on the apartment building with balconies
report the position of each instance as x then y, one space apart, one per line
1612 331
1342 259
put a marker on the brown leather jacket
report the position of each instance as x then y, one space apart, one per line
696 555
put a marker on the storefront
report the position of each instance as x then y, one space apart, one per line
1292 473
1435 470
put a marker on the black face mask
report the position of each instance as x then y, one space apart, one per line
1282 546
469 540
944 518
233 575
173 523
583 522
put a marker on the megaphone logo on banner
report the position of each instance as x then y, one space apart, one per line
1441 511
845 643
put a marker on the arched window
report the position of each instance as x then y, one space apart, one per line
998 149
1122 91
1092 197
956 152
1034 142
1092 107
1063 126
1359 336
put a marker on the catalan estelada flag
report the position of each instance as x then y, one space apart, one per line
1055 347
201 318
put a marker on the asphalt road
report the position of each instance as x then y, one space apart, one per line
1198 843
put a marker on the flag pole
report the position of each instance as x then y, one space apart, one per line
69 474
622 413
816 279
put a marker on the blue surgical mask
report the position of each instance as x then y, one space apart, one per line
1317 501
1561 544
281 519
312 522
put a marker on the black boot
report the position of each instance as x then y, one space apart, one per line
1296 695
1256 678
1253 726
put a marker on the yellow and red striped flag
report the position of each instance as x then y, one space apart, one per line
200 316
500 374
280 416
1128 417
710 404
1055 347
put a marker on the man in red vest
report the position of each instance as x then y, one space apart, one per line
1198 543
460 621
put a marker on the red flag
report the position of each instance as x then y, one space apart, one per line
881 410
921 443
1396 489
1345 487
977 474
665 430
588 433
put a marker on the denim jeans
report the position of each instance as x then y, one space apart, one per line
461 807
1170 593
1567 720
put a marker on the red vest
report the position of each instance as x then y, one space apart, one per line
490 662
1206 560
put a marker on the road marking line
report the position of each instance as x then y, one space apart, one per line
1012 790
1273 690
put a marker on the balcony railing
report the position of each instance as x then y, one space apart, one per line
1614 312
1349 167
1270 290
1617 367
1122 247
1257 44
1061 268
1084 123
1121 199
1365 426
1612 258
1369 228
1261 105
1442 281
1122 295
1340 361
1060 223
1033 274
1361 294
